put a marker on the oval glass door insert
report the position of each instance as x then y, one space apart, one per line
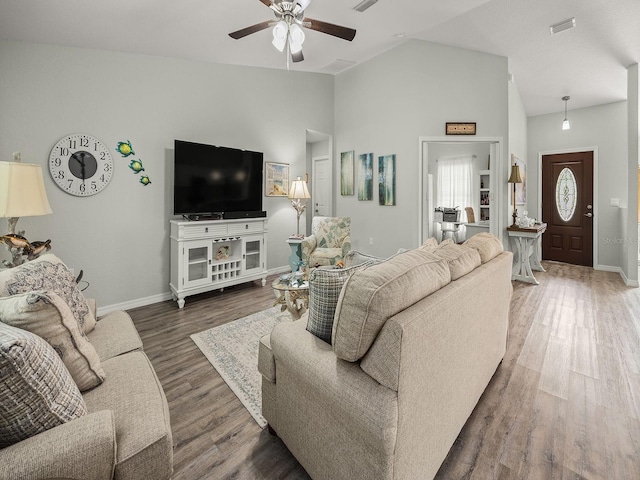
566 194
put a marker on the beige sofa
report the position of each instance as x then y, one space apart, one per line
388 398
125 433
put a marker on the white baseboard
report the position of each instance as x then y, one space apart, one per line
618 270
139 302
163 297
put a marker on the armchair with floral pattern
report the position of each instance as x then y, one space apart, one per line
329 242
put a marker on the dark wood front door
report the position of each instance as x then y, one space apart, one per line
567 207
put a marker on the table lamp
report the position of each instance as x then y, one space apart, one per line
514 178
22 194
298 193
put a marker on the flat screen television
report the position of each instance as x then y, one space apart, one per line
211 180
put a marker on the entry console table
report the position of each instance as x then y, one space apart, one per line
526 244
206 255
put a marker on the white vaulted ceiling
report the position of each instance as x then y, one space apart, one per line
588 62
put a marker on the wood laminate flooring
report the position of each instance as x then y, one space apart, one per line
564 403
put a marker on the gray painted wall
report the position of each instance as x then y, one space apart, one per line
120 237
384 105
605 127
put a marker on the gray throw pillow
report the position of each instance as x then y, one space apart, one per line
36 390
324 290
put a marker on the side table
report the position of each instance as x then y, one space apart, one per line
292 298
526 242
296 253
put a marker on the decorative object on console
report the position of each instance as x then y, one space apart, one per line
299 194
521 188
515 179
223 252
387 179
287 31
346 173
460 128
365 176
276 179
565 123
22 194
81 165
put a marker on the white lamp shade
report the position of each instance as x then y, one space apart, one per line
296 38
566 125
22 192
299 189
280 35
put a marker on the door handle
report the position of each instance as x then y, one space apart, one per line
588 214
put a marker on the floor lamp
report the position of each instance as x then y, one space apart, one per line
514 178
299 194
22 194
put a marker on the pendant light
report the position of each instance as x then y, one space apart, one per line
565 123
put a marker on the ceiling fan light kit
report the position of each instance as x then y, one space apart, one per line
287 30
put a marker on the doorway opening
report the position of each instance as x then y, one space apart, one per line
320 184
487 191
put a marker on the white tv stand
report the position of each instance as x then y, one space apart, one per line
211 254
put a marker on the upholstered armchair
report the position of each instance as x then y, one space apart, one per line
329 242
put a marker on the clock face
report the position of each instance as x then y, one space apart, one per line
81 165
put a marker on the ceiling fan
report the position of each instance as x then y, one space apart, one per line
287 32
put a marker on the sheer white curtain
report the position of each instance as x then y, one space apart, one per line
455 183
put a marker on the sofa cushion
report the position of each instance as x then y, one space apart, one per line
461 259
36 390
114 335
45 314
429 244
324 289
134 394
488 245
47 272
372 295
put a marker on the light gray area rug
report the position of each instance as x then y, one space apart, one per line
232 349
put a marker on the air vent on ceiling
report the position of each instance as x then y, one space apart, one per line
337 66
562 26
362 6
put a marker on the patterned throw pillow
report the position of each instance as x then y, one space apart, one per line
324 290
45 314
47 272
36 391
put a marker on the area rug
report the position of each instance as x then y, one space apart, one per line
232 349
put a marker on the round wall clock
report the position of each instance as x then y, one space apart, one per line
81 165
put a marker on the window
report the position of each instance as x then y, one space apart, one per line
454 183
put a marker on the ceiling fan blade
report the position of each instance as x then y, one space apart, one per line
329 28
297 57
272 6
249 30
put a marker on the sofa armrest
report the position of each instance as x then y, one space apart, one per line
307 246
82 448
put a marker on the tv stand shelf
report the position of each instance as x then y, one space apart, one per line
206 255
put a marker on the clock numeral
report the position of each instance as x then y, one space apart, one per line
70 181
61 174
107 167
64 152
83 187
102 178
84 142
94 186
57 162
72 144
103 156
